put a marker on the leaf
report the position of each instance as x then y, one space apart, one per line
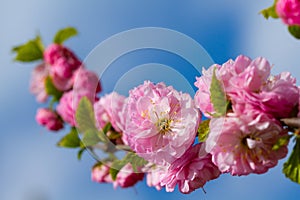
52 90
91 137
281 142
131 158
295 31
135 160
203 130
64 34
291 168
115 168
30 51
270 12
80 152
71 140
217 96
85 116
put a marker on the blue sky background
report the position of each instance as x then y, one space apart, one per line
33 168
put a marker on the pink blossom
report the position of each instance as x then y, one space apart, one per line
49 119
100 173
279 96
154 175
241 74
37 83
86 80
63 61
61 84
161 122
127 177
289 11
68 104
191 171
242 144
109 109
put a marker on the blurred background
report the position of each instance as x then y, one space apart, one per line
33 168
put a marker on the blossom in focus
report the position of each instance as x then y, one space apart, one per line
37 82
127 177
109 109
161 122
49 119
243 144
63 62
289 11
191 171
100 174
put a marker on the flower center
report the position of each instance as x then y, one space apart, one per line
164 125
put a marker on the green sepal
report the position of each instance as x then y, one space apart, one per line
283 141
30 51
291 168
270 12
295 31
203 130
64 34
71 140
52 90
218 96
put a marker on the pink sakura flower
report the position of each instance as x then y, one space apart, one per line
68 104
161 122
62 61
191 171
100 173
109 109
86 80
154 174
127 177
248 82
289 11
37 83
86 84
242 144
49 119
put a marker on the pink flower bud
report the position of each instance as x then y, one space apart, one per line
63 61
49 119
289 11
100 174
127 177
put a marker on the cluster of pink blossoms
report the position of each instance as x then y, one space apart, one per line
241 142
159 125
71 81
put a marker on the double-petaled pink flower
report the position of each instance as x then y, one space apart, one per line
191 171
37 82
243 143
289 11
161 122
49 119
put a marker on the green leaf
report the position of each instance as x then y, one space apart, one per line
91 137
115 168
64 34
217 96
131 158
107 127
270 12
203 130
71 140
80 152
30 51
135 160
291 168
85 116
295 31
281 142
52 90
